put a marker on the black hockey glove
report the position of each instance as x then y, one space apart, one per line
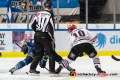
24 49
43 62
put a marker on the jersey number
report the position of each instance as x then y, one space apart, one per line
80 33
40 24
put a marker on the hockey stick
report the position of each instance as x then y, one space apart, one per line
28 53
23 49
113 57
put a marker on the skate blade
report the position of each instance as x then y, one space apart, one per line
33 74
9 73
53 75
103 75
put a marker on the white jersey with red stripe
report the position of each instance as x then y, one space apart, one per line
78 36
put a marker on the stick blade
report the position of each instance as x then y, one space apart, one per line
113 57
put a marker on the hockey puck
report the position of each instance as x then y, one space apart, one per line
26 72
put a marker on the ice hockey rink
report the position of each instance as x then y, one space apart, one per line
82 65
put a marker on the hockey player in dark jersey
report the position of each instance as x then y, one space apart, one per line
28 47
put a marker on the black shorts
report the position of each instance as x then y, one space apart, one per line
80 48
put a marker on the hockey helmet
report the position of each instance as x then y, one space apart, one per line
71 27
48 4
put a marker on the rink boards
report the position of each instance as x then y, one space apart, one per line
63 54
108 42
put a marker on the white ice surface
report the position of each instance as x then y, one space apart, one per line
82 65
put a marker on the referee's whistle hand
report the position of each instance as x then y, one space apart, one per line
54 40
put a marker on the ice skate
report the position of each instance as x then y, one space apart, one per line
70 69
99 70
53 74
11 71
34 73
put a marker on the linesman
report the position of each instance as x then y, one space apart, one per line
44 27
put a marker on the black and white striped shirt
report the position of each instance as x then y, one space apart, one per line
44 22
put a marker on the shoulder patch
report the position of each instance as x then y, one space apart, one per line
38 14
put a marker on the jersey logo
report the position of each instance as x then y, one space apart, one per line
38 14
101 40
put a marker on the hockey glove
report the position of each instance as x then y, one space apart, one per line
43 62
24 49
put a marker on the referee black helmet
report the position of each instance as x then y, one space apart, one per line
48 4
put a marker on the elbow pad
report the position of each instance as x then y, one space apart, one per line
94 40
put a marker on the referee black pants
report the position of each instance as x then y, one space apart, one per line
42 40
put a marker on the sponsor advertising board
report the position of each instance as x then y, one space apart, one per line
105 42
5 41
19 37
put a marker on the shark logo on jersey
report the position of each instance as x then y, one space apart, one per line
101 40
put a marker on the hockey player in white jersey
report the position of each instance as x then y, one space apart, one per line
81 40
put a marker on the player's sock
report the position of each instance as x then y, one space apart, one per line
59 69
69 60
58 59
65 64
17 66
96 61
20 65
97 64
